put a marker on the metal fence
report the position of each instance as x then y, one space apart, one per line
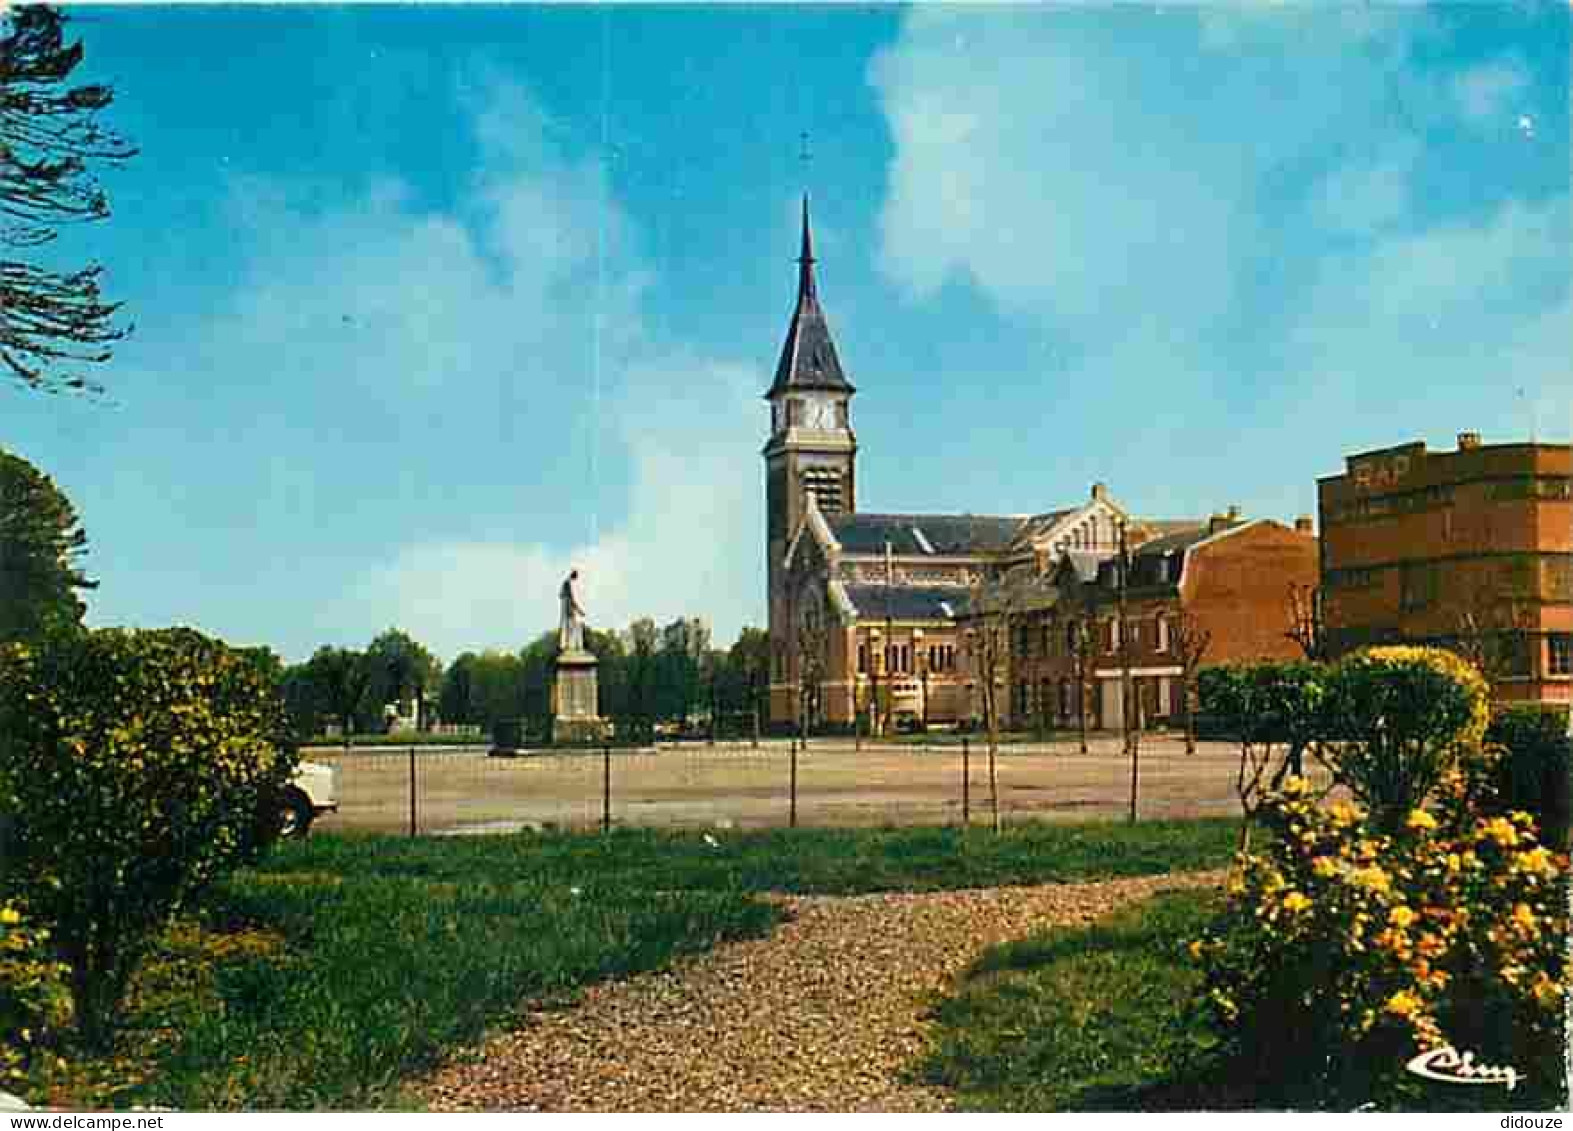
775 783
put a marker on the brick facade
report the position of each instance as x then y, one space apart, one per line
1471 548
1230 580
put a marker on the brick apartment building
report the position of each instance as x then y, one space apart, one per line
1227 582
1471 549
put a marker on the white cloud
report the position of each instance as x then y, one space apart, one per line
479 318
1361 199
1234 26
1413 332
1487 93
1071 210
690 427
1221 214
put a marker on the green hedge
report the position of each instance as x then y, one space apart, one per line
400 740
1534 775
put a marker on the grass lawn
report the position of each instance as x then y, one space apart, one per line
803 861
1081 1019
332 972
1099 1019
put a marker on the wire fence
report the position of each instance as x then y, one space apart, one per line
776 783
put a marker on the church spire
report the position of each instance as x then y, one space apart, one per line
805 271
808 359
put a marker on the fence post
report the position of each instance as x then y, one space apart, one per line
792 811
1135 743
606 787
966 783
412 789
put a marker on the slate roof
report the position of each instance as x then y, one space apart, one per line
1039 523
916 534
808 358
1173 525
1171 543
1147 560
907 602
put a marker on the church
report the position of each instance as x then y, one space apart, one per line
868 608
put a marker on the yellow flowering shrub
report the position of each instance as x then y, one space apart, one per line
1342 951
132 768
33 999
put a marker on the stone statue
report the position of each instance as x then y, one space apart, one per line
570 634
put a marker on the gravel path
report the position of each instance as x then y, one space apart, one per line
822 1015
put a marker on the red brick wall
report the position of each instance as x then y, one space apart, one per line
1479 537
1238 589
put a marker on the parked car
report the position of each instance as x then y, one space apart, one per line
313 791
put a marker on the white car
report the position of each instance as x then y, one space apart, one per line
313 791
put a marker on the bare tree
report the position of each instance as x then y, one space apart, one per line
49 133
1256 758
1190 642
1307 627
810 642
994 607
1084 653
1490 632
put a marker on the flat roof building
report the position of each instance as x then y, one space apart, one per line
1470 549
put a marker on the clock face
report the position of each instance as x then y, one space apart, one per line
824 417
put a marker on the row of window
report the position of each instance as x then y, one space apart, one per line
1421 583
899 657
1435 497
1532 487
1052 639
1384 506
1515 650
1156 697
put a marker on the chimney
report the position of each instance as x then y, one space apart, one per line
1217 522
1468 441
1302 525
1234 513
1100 491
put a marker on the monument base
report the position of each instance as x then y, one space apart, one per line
576 700
580 732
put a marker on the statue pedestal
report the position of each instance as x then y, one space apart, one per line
576 699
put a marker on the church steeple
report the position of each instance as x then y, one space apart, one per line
805 271
808 358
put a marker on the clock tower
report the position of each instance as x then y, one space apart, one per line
812 450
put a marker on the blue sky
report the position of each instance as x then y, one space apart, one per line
432 302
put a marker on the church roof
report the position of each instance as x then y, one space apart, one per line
808 359
1041 524
918 534
907 602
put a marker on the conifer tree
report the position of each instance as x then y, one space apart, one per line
52 322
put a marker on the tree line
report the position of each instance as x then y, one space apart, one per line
649 675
